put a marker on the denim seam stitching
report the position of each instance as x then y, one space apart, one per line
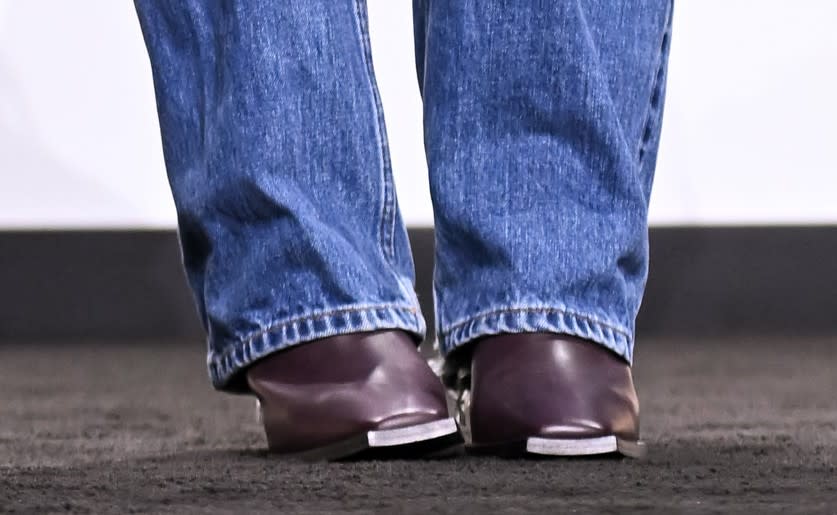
324 314
572 313
388 207
387 240
655 88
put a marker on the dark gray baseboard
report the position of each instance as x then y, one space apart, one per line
704 281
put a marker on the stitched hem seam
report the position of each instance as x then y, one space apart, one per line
531 319
225 367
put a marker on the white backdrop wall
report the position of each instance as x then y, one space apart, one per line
749 136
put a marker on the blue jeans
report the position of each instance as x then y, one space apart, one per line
541 128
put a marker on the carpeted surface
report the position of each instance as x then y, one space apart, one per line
733 426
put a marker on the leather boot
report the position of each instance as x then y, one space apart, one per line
550 394
357 395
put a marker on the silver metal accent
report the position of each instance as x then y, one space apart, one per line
585 446
436 364
571 447
463 414
411 434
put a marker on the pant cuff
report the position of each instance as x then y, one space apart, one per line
538 319
226 368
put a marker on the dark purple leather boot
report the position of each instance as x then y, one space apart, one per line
549 394
359 395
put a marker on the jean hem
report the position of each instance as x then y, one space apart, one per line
538 319
226 368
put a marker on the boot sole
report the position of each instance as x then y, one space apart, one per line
567 447
437 439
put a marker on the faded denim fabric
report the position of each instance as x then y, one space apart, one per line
542 123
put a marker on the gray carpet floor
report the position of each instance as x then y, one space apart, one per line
745 426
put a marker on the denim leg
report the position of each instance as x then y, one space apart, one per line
277 157
541 127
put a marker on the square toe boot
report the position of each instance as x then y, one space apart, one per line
357 395
549 394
